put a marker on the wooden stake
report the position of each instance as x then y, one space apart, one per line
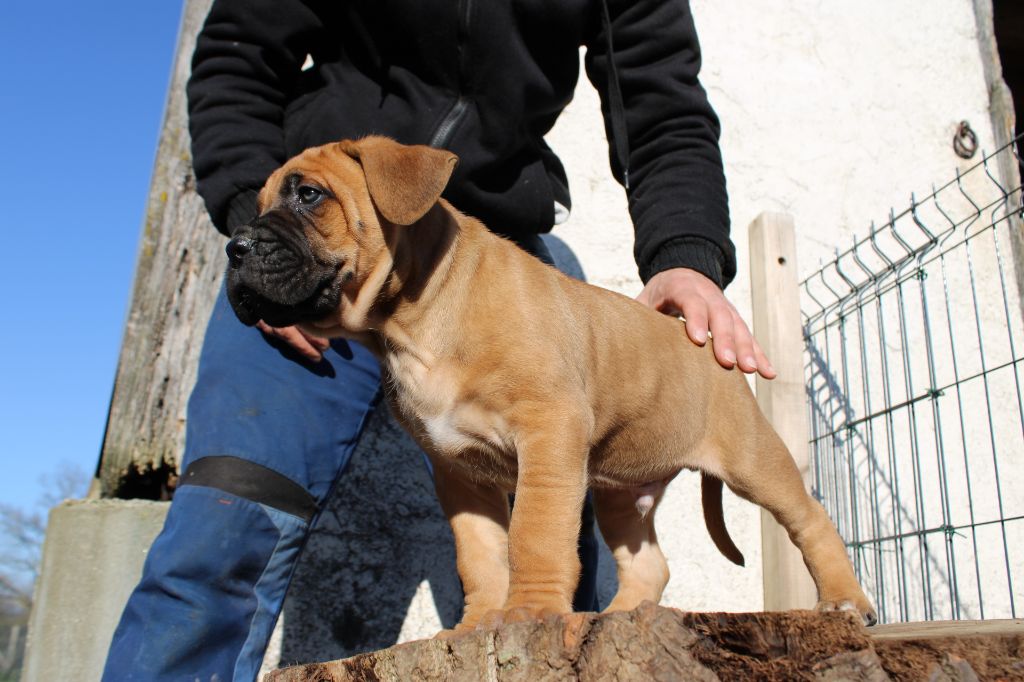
776 304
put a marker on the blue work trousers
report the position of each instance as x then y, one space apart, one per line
268 436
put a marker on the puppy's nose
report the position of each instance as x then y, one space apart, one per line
237 249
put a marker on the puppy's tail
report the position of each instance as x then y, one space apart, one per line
714 519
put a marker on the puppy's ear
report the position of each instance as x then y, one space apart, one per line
404 181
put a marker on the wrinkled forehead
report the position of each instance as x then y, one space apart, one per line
325 167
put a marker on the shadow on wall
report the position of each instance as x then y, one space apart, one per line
382 537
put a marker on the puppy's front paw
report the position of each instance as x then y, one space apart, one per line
468 624
453 633
861 606
516 614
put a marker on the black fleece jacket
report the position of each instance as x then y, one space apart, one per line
485 79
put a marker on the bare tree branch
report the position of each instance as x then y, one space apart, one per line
14 594
21 538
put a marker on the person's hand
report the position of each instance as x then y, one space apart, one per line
308 346
685 292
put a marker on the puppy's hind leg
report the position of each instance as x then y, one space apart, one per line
759 468
629 532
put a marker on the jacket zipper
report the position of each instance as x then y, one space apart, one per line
446 129
443 135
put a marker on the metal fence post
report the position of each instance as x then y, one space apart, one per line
776 305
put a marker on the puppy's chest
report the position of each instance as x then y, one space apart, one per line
432 400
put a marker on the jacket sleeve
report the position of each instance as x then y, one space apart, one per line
677 195
245 67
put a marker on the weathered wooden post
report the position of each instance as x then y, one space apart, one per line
179 263
1005 124
776 304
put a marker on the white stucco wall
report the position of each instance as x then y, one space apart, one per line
832 112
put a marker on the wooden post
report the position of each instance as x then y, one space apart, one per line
179 266
1004 128
776 304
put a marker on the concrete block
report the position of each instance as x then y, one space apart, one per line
92 559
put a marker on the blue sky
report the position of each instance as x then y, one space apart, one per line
82 91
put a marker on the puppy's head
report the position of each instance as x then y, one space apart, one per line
324 226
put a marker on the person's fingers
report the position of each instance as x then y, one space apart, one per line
745 357
723 337
265 328
764 365
318 342
695 310
294 338
299 342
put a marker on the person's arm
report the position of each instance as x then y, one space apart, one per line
677 195
245 68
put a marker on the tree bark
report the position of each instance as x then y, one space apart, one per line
176 278
651 643
656 643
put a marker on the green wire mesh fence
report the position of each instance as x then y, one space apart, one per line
914 343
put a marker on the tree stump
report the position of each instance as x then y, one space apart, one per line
650 643
656 643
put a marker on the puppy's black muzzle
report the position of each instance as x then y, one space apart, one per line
274 275
237 249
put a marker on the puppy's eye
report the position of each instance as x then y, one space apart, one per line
309 195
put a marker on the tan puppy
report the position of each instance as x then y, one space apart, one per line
516 378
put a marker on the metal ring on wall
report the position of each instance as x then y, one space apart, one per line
965 141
